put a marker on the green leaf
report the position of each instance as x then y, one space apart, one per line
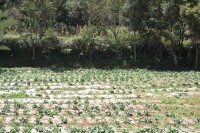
1 35
4 48
6 23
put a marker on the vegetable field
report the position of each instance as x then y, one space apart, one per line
92 100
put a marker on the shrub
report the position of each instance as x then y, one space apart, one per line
124 36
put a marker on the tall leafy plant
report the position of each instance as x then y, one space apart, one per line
191 12
88 34
5 22
38 17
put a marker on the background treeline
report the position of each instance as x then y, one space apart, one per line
101 33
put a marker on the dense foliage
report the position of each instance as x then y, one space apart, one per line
5 22
134 32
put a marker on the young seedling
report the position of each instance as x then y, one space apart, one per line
64 120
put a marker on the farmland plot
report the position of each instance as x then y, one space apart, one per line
92 100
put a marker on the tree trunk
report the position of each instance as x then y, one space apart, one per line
174 57
91 53
90 65
180 53
197 58
135 53
189 55
33 58
33 49
161 54
135 48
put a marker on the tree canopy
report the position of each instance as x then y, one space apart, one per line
143 31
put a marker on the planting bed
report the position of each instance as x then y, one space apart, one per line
92 100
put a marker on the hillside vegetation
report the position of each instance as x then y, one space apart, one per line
100 33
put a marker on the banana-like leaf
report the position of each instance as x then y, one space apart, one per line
6 23
3 14
1 35
4 48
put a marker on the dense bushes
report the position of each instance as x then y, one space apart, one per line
93 47
86 31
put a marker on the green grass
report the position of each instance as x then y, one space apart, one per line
192 100
20 94
169 100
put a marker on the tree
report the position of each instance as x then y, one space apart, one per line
38 16
62 16
173 29
89 34
77 12
107 14
135 12
155 26
191 12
